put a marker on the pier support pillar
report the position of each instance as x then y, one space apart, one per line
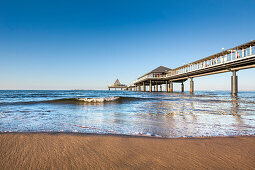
166 86
171 87
234 83
191 85
156 87
150 86
182 87
139 87
144 87
160 87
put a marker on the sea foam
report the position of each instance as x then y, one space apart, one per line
98 100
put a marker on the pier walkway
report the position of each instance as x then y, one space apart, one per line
231 60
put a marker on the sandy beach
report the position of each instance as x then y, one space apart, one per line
85 151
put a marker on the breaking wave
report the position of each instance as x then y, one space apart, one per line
81 101
85 100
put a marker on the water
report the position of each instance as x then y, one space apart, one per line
129 113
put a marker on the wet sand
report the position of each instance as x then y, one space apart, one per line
84 151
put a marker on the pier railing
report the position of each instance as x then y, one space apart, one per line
226 56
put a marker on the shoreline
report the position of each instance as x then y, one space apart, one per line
126 135
64 150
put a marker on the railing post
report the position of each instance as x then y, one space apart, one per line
231 55
250 50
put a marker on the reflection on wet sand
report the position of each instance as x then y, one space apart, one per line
235 112
192 117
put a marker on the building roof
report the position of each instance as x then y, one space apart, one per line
160 69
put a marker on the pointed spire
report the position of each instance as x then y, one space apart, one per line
117 82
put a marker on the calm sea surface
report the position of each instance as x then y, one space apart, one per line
131 113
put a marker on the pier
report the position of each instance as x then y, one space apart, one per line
231 60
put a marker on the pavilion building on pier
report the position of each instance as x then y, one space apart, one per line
117 85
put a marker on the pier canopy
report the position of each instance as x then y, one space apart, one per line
157 72
117 85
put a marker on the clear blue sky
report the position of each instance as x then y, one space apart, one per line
47 44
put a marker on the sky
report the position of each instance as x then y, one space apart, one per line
88 44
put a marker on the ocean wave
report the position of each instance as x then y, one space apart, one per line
80 101
98 100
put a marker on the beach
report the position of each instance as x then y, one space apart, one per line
126 130
86 151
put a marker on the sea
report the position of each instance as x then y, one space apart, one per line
158 114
